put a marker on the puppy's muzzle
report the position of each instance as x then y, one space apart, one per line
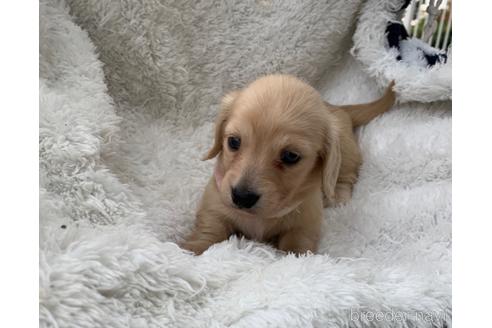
243 197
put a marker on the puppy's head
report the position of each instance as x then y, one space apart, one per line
276 142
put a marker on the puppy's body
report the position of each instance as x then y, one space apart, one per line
283 153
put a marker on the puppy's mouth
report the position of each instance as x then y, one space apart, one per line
250 212
266 213
256 212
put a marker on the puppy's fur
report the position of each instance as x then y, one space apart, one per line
274 115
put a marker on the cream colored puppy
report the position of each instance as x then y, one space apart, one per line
282 153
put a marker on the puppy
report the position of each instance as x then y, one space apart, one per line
282 155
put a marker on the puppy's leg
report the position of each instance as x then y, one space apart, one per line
209 229
305 226
298 241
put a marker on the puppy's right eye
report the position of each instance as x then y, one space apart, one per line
234 143
289 157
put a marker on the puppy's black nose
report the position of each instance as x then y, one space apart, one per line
244 198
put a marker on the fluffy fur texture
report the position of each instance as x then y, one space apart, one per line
121 174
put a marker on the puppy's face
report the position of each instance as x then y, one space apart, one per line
272 139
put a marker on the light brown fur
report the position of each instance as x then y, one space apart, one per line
274 114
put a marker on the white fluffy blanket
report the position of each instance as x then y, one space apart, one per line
125 115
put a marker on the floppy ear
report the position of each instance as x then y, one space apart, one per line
225 111
332 160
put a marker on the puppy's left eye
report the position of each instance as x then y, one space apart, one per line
234 143
289 157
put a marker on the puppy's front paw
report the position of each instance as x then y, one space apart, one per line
196 246
297 251
297 243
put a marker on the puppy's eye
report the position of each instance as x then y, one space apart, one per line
289 158
234 143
